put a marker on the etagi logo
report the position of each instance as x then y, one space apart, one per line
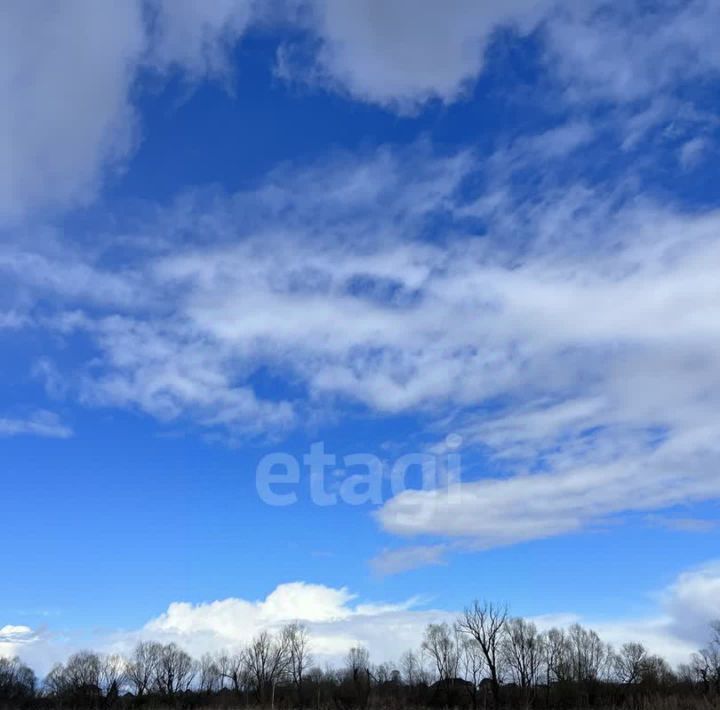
279 475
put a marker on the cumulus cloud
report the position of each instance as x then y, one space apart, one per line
14 634
337 620
65 81
70 79
693 599
16 638
401 53
681 625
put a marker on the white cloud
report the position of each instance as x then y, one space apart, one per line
10 633
40 423
681 625
69 80
65 81
526 507
621 52
616 52
401 53
198 37
337 621
691 152
170 371
408 558
10 320
693 599
16 638
640 61
683 524
596 325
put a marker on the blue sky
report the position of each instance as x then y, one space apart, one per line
228 231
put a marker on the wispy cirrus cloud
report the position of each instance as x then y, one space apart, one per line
403 559
39 423
624 52
586 319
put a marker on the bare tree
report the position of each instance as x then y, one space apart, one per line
78 680
383 673
357 660
54 683
175 670
473 665
17 681
358 673
522 650
705 663
441 644
141 669
589 655
713 654
580 670
411 668
233 670
82 670
630 663
556 660
297 641
209 676
113 675
268 662
485 623
656 671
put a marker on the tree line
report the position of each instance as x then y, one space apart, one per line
486 660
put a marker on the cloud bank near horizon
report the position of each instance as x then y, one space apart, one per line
337 621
